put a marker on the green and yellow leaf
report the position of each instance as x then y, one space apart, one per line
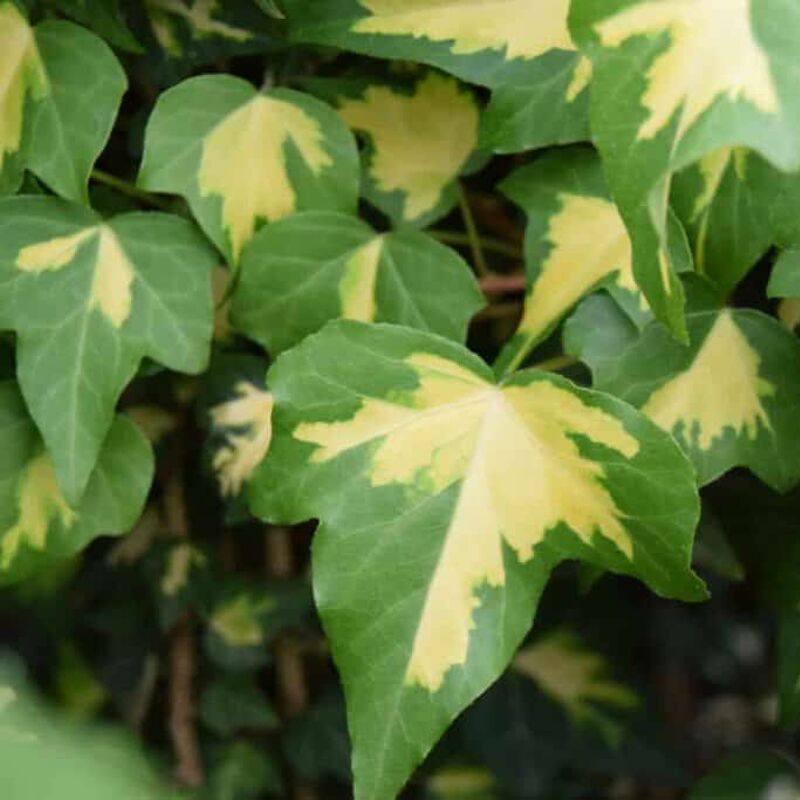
577 678
490 42
38 526
247 157
445 500
652 116
575 241
419 143
310 268
731 398
88 299
60 89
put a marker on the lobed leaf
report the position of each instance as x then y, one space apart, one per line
445 500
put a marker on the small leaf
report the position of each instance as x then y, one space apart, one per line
73 85
38 527
419 143
231 703
243 771
490 42
575 240
313 267
89 299
731 398
651 115
247 157
445 500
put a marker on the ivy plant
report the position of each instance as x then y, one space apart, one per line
403 346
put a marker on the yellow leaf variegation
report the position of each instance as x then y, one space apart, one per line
730 399
419 143
674 82
418 463
249 157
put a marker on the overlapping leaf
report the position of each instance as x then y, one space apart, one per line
38 527
675 80
242 157
419 143
493 42
310 268
731 398
89 299
723 201
60 88
575 240
444 501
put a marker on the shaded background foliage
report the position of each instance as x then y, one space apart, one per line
197 631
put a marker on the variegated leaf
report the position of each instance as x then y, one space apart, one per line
242 157
88 299
445 500
310 268
38 526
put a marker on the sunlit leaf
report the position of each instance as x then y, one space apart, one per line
242 157
310 268
38 527
60 88
445 500
88 299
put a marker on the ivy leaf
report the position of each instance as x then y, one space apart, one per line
310 268
747 774
721 201
550 105
785 278
651 115
89 299
242 157
38 526
491 42
575 240
445 500
104 17
731 398
419 143
60 89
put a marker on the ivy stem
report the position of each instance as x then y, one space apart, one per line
128 189
556 363
474 238
488 243
495 283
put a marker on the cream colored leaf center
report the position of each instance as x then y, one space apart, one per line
111 289
39 503
522 28
721 390
247 420
588 241
420 141
357 287
712 53
21 71
244 163
519 473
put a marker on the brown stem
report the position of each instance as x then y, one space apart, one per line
293 694
493 283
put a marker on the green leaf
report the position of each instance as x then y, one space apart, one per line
575 240
60 89
445 501
721 201
38 526
243 771
420 141
242 157
652 115
490 43
461 783
731 398
307 269
230 703
549 105
88 300
785 278
104 18
749 775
